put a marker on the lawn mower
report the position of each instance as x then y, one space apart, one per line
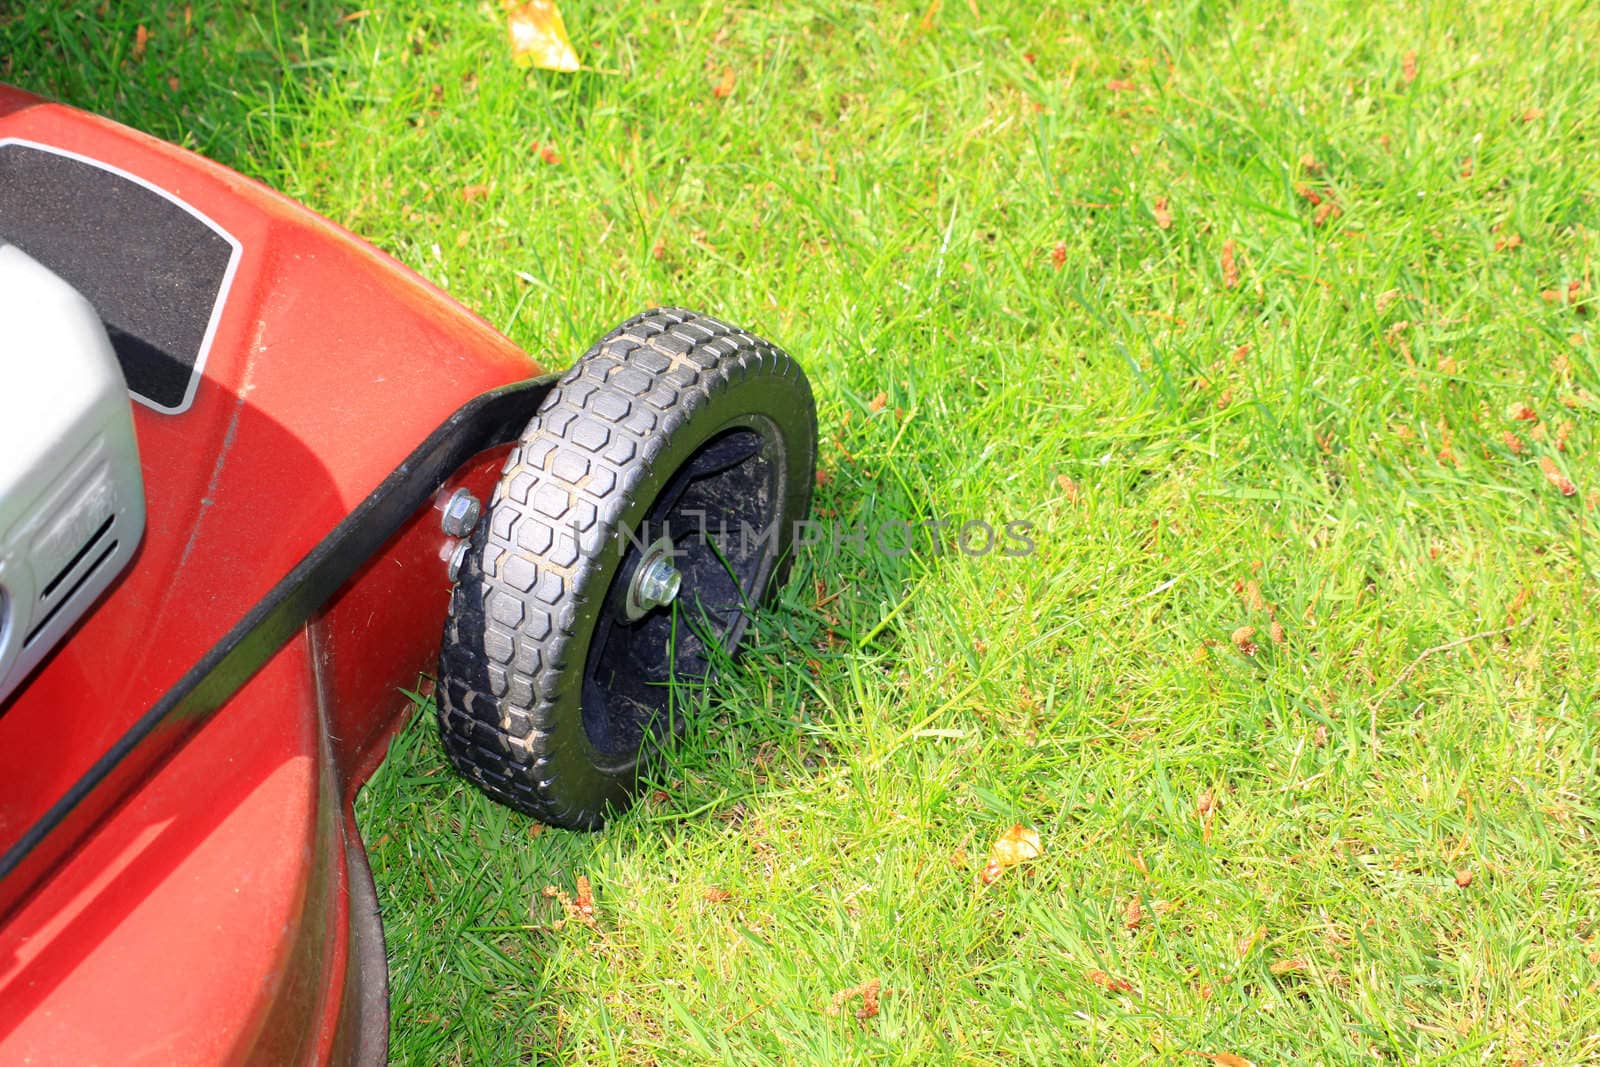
257 479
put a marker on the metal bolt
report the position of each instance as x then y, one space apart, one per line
655 582
659 584
458 559
461 513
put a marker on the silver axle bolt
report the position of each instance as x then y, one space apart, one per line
659 583
461 513
655 581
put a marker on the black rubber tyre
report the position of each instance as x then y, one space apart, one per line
548 698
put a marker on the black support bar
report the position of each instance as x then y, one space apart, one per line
494 418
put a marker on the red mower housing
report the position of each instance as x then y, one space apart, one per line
182 878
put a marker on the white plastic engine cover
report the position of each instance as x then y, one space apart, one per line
71 495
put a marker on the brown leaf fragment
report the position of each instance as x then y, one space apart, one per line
1408 67
869 1001
1110 983
1309 193
1230 265
1163 215
1463 878
583 903
1120 85
725 83
1513 442
1069 487
1239 354
141 39
474 192
878 403
1468 165
1521 412
1319 736
1329 210
1288 966
1507 244
1132 914
717 896
1248 941
1223 1059
1253 599
1572 294
1058 255
1276 630
1553 475
868 991
1244 640
579 909
1563 431
1533 114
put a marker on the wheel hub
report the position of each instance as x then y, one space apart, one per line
655 582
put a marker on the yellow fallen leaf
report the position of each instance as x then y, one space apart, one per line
539 37
1017 845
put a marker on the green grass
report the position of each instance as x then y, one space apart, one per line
964 217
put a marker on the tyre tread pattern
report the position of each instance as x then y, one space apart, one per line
510 640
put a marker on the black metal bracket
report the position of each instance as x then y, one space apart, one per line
494 418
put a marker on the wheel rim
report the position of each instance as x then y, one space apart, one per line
715 508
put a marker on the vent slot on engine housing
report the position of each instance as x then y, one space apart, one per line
50 609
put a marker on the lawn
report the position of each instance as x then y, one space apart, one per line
1278 324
